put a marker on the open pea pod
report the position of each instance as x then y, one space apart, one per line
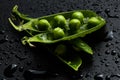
66 55
84 30
65 26
74 62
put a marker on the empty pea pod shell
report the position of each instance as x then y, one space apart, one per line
64 26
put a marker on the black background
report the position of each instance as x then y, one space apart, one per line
105 60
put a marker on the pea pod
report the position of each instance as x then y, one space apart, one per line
78 44
68 26
67 56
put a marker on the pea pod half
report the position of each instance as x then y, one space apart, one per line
65 26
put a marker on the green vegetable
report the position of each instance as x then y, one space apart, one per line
78 15
93 21
59 30
58 33
74 25
43 25
59 20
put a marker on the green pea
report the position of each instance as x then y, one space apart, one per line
58 33
74 24
60 49
43 24
93 21
78 15
60 21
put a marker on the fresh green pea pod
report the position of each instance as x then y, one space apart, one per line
74 61
87 14
68 57
67 23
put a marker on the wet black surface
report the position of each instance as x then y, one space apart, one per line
105 64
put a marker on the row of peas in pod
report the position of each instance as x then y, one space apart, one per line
61 25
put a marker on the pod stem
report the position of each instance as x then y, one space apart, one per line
22 16
16 27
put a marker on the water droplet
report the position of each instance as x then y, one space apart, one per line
102 61
113 52
107 77
29 62
2 32
107 64
2 58
54 74
30 74
20 57
21 69
6 37
117 61
8 72
107 52
107 10
108 44
81 76
111 76
99 77
109 36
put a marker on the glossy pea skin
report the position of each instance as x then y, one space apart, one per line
58 33
43 24
59 20
78 15
93 21
74 25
